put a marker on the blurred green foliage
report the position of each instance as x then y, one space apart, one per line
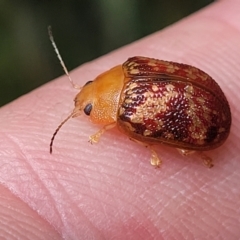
83 30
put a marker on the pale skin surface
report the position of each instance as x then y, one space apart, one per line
109 190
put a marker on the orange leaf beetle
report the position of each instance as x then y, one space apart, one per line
156 102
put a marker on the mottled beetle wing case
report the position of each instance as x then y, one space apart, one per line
172 103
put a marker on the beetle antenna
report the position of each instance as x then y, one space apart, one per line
58 128
60 58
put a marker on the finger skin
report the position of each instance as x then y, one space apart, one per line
109 190
19 221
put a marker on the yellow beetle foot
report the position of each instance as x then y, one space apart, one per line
155 160
207 161
96 137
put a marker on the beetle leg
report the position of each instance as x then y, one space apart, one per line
207 161
185 152
155 160
95 137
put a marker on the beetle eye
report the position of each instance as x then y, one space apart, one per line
87 83
87 110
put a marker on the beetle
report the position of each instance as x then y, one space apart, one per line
157 102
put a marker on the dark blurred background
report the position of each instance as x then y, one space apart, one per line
83 30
